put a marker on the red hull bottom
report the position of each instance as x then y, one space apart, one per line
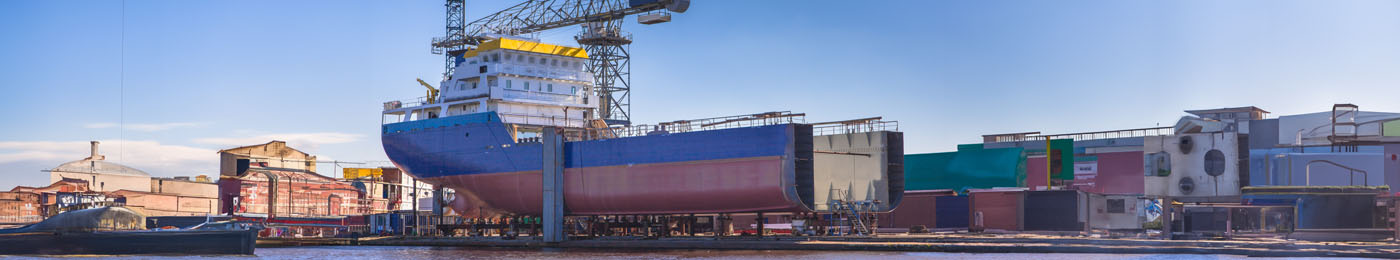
715 186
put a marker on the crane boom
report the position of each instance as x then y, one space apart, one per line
540 15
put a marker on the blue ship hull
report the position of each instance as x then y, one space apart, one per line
760 168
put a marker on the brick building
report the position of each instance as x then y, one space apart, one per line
279 181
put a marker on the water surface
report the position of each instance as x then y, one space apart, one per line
414 253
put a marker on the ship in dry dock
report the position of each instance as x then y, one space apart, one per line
478 133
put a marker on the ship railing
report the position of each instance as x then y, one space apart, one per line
541 96
1125 133
413 102
705 124
865 125
551 72
541 120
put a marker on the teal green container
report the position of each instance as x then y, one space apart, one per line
965 169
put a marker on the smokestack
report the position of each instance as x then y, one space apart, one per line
94 155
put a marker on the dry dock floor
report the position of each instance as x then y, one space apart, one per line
958 242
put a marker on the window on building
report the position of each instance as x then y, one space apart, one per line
554 63
573 90
507 84
551 88
473 85
507 56
527 85
1116 206
532 59
496 57
520 58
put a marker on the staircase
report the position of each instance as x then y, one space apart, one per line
852 211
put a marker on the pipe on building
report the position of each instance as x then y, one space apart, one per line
1307 171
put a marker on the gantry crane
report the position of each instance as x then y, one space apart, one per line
601 36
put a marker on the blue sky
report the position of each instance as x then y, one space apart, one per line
205 75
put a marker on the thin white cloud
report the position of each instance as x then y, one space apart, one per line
150 156
144 127
308 142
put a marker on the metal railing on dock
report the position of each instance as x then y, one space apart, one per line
705 124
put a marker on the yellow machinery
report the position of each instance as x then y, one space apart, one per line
363 173
432 92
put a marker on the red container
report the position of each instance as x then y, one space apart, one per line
996 209
917 208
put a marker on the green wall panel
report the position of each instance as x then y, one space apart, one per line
1391 128
967 169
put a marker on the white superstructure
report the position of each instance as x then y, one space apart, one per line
526 83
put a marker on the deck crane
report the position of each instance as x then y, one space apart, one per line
432 92
601 36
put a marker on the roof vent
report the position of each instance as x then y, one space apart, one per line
94 155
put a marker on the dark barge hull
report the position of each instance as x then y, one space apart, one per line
130 243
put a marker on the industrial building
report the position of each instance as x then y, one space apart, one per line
103 181
275 154
277 186
397 190
1236 169
103 175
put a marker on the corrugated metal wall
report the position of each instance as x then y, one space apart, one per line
1054 210
952 212
998 209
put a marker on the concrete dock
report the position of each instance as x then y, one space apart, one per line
953 243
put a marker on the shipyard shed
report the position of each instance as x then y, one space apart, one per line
1108 162
1116 212
997 209
952 212
917 209
1055 210
274 154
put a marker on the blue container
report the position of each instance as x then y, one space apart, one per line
951 212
